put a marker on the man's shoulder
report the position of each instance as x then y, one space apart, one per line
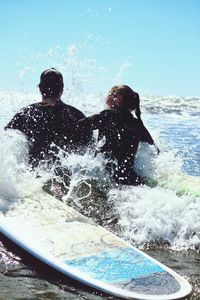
75 111
27 109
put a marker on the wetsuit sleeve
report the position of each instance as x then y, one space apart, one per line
84 133
144 134
18 122
80 135
93 122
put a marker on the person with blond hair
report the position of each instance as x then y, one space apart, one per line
122 132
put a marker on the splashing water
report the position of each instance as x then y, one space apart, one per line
157 215
166 213
145 215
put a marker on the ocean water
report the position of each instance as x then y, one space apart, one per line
163 220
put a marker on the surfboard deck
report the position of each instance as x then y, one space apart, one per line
74 245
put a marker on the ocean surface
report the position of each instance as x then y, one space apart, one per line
163 220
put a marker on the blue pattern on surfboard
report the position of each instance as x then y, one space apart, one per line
116 266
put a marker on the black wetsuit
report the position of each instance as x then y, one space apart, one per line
50 128
122 133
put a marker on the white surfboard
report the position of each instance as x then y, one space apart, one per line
74 245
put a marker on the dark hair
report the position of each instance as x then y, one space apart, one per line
130 99
51 83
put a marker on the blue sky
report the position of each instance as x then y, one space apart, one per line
152 45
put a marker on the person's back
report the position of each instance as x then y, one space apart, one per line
51 124
122 131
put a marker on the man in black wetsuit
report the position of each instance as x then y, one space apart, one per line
50 125
122 132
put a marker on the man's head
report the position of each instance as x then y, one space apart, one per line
51 83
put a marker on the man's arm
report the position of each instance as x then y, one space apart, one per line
17 122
